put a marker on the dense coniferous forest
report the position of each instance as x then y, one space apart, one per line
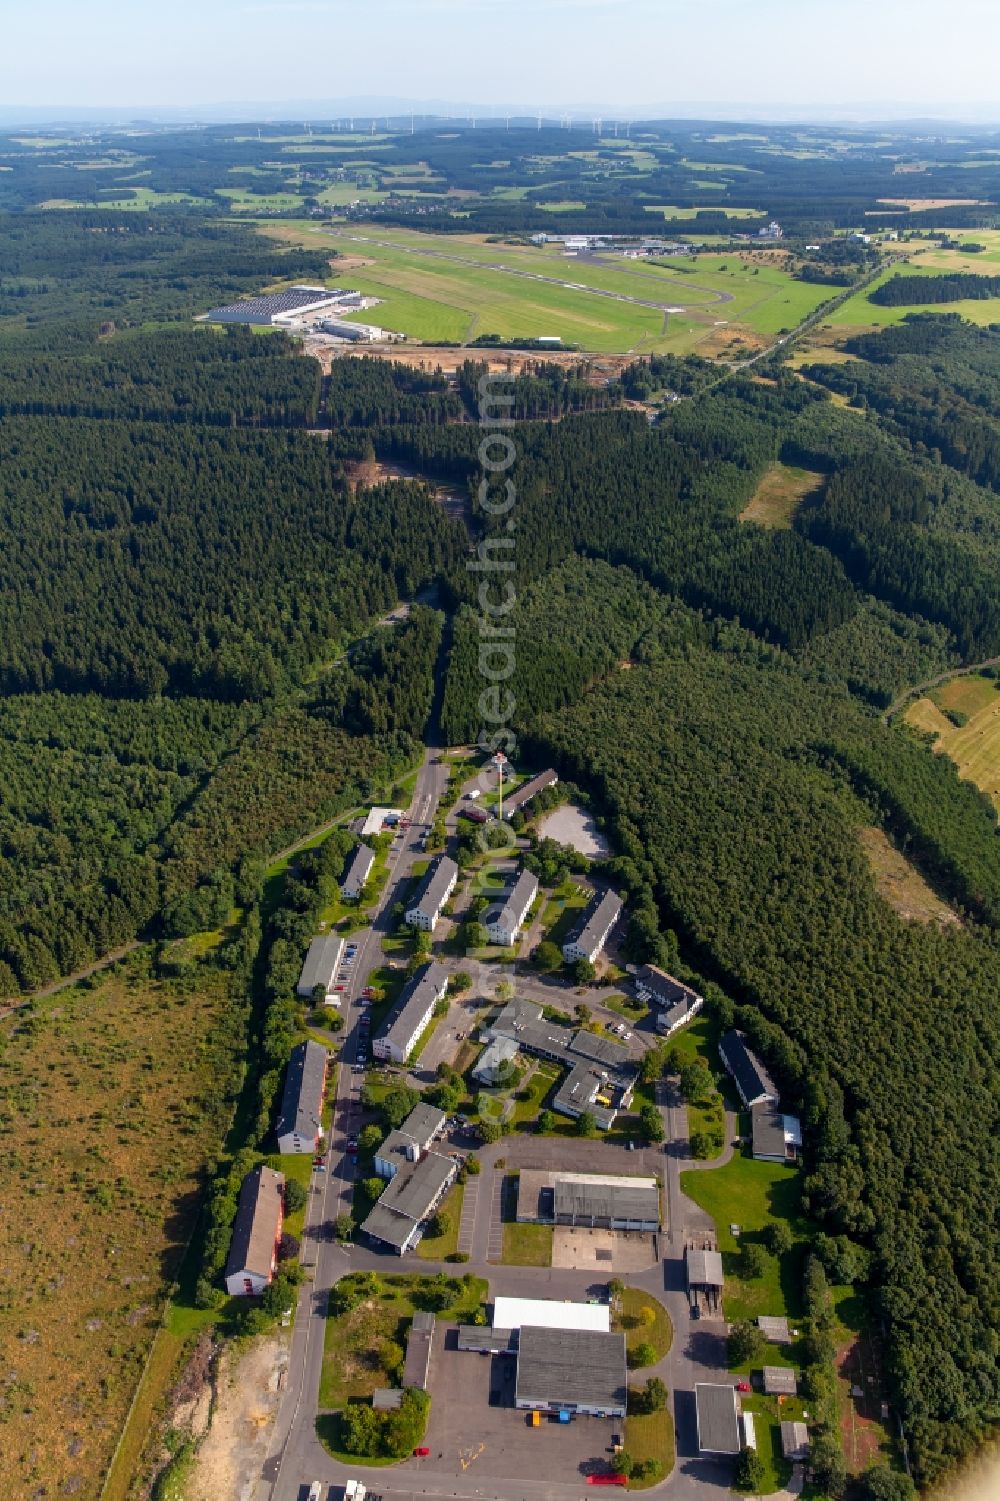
903 291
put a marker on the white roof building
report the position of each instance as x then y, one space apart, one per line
547 1313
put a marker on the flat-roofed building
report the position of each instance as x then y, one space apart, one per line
435 889
357 872
718 1417
550 1313
780 1381
277 307
379 819
592 928
589 1089
253 1250
571 1370
320 967
481 1339
522 795
795 1442
387 1398
506 927
748 1073
301 1114
774 1137
411 1014
605 1202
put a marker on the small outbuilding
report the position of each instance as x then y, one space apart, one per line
774 1329
780 1381
795 1442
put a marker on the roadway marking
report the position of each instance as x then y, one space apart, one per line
495 1251
466 1457
467 1224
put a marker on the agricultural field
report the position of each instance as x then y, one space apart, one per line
113 1100
781 490
860 312
963 715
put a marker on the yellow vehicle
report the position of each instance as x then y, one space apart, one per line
536 1419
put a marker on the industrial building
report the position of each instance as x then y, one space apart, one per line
590 934
319 968
357 872
594 1200
411 1014
353 333
774 1137
278 307
748 1073
506 927
718 1417
300 1117
550 1313
435 889
253 1251
571 1371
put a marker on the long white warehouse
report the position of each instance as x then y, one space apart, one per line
547 1313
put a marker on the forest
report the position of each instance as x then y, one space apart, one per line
951 286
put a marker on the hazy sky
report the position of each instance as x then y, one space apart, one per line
623 54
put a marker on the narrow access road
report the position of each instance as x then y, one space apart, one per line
919 689
7 1008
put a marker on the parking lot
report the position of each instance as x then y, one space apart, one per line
475 1429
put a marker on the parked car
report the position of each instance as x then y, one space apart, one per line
743 1386
422 1452
316 1490
352 1143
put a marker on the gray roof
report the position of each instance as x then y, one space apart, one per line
393 1229
360 865
752 1079
593 1197
302 1101
415 1187
571 1365
419 1341
664 988
321 962
673 1016
387 1398
527 790
767 1128
519 899
596 918
434 886
262 309
524 1023
775 1328
779 1381
423 1123
478 1337
414 999
255 1228
718 1419
794 1440
396 1145
704 1268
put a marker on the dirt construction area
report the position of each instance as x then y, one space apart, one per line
610 1252
230 1456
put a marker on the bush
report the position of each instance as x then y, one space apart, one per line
778 1238
883 1484
750 1472
295 1196
746 1344
754 1260
547 956
586 1125
642 1354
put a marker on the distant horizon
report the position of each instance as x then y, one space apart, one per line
318 113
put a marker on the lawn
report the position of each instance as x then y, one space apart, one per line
534 1090
644 1320
767 1420
438 1247
630 1007
353 1342
779 495
975 746
753 1194
650 1435
115 1098
860 312
527 1245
